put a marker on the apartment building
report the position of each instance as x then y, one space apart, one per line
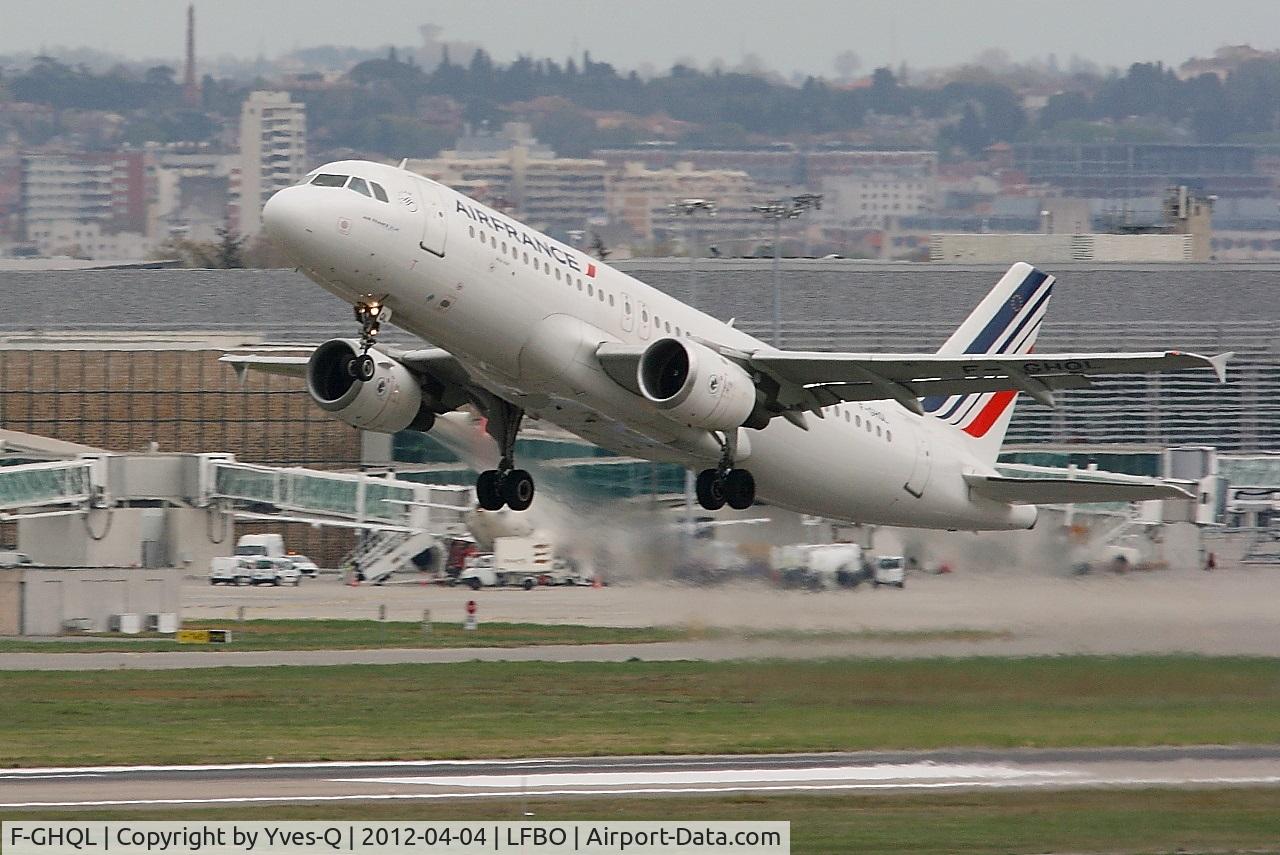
273 152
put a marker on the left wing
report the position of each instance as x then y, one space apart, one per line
828 378
1064 491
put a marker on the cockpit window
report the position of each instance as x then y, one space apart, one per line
378 191
324 179
360 186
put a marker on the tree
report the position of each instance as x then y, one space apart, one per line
230 249
846 65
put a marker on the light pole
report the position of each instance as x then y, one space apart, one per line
778 210
689 208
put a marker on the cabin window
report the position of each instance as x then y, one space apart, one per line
324 179
493 242
557 274
847 417
378 192
644 317
591 291
360 186
504 247
857 421
526 258
600 294
888 435
610 299
482 237
472 229
877 430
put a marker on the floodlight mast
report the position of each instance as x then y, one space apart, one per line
778 210
689 209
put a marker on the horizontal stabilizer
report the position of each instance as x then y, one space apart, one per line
1064 491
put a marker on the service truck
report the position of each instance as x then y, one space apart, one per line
816 567
269 545
518 561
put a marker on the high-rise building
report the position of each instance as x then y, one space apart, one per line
110 189
273 152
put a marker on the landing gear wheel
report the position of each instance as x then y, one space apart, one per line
710 490
489 490
517 489
740 489
362 367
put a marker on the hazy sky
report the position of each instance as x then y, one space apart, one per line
789 35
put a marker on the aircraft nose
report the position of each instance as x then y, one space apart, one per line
285 216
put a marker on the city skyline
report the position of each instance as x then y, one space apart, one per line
640 35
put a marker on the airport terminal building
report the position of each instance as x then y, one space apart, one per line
77 365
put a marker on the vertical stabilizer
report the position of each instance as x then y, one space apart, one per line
1007 321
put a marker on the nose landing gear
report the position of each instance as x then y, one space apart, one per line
506 485
725 484
370 317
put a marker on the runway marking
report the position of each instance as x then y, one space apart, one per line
662 791
878 772
34 776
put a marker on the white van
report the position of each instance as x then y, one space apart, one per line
14 559
890 570
269 545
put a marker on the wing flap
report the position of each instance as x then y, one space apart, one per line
1063 491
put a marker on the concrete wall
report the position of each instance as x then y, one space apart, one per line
1042 249
10 602
103 538
50 597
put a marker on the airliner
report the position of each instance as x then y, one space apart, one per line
521 325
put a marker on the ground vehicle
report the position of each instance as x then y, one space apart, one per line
890 570
819 566
304 565
273 571
14 559
230 570
270 545
518 561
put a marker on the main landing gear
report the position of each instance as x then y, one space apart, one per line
370 317
505 485
725 484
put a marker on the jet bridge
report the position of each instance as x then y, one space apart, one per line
159 509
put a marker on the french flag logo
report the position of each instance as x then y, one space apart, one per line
591 270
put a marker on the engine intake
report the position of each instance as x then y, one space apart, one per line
697 386
389 402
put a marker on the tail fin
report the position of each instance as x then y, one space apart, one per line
1006 321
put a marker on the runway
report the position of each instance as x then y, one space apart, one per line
880 771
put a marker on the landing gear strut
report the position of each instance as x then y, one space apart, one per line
725 484
505 485
370 317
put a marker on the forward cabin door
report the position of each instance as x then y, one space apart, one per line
434 221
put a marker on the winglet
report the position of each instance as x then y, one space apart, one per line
1219 364
403 163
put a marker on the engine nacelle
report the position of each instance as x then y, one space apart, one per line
391 401
696 385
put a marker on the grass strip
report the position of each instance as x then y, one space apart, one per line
512 709
1112 821
354 635
368 634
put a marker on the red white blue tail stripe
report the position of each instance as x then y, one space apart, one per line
1012 327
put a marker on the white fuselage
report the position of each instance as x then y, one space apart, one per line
525 315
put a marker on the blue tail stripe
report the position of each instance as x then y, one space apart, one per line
994 328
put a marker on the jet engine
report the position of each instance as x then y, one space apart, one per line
390 401
698 386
